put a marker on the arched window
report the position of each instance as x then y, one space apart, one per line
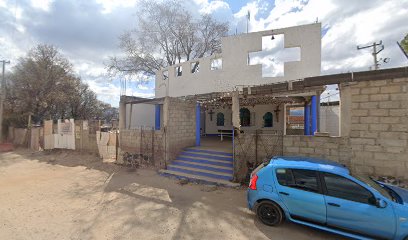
268 119
220 119
245 117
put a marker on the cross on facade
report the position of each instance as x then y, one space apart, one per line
211 114
273 56
277 110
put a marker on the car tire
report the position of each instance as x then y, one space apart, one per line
269 213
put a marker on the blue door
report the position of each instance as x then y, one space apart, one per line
300 192
352 207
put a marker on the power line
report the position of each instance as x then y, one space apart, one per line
375 53
330 95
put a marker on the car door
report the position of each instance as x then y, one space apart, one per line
300 191
352 207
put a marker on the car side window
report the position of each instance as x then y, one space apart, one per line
298 178
344 188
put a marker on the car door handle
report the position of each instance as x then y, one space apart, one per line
284 193
334 204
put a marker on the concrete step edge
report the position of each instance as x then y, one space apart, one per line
202 170
210 152
199 178
204 164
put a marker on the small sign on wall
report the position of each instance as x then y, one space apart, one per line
66 127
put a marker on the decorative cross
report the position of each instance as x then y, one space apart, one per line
273 56
277 110
211 114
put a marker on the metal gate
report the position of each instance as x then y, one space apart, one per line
142 147
252 148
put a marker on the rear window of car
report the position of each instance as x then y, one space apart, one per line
298 178
262 165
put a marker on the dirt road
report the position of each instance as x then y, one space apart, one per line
64 195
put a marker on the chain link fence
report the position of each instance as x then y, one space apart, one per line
251 149
142 146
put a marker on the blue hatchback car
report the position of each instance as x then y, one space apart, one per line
325 195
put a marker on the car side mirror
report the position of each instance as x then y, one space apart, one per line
380 203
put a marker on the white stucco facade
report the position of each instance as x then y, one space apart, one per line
140 114
235 70
329 119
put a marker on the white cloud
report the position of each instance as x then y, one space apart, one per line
349 23
87 31
42 4
110 5
213 6
142 87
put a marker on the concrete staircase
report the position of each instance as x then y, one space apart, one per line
203 165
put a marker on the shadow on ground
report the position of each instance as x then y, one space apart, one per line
159 206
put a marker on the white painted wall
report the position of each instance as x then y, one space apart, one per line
63 139
329 119
258 112
235 69
142 115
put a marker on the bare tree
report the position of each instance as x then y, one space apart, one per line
166 34
44 85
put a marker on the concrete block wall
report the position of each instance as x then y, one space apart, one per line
147 148
379 126
332 148
180 125
374 134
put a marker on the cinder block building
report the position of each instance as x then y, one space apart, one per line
213 118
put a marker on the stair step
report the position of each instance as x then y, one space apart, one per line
200 172
213 169
199 178
208 152
207 156
202 164
205 161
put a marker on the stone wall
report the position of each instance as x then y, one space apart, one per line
180 125
145 147
332 148
379 126
374 130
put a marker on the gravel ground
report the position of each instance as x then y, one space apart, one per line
66 195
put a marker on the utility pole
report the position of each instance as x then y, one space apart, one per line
2 98
375 52
248 19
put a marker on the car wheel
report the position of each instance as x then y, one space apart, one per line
269 213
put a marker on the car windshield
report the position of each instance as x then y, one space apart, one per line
367 180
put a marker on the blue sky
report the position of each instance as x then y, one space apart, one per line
87 32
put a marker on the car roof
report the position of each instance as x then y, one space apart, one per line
309 163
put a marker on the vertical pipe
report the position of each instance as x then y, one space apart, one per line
157 117
318 112
314 115
198 125
122 113
306 119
